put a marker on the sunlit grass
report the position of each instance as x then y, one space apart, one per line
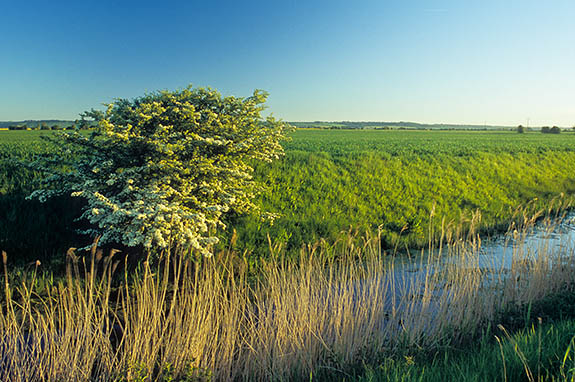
333 309
541 352
330 180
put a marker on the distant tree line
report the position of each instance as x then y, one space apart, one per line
550 130
392 125
80 124
545 129
37 127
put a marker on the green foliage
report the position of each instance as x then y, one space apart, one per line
520 129
532 342
30 228
164 168
538 353
330 180
550 130
333 179
166 373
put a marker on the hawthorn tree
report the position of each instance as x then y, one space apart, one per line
164 168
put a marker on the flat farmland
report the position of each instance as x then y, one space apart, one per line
405 183
331 180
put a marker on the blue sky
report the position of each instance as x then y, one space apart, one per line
495 62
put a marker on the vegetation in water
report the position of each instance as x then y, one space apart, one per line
327 315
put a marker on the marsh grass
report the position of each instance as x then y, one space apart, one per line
332 310
540 352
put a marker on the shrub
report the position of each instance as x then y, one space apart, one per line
164 168
520 129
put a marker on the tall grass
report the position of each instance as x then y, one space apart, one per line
336 307
541 352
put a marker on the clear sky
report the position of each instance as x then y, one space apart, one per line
492 61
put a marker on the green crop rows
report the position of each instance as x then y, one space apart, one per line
331 180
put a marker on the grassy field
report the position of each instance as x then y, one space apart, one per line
403 182
331 180
537 353
334 310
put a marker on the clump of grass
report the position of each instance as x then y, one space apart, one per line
319 315
542 352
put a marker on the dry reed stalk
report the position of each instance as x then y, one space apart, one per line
298 317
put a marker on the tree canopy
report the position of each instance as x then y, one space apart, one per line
162 169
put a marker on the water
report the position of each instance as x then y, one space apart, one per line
429 290
496 254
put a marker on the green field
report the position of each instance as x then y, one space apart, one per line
331 180
404 183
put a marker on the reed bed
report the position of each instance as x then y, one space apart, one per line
337 306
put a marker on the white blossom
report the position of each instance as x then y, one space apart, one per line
165 167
